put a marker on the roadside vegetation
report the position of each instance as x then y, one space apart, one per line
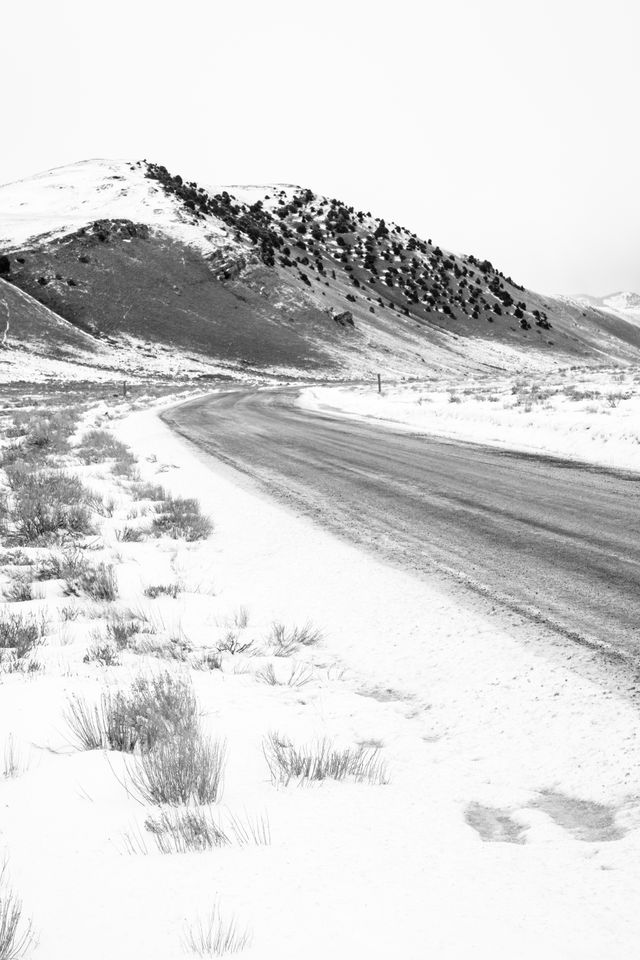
106 586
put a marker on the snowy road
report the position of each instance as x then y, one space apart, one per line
553 541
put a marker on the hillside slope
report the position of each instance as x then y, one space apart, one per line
275 277
623 303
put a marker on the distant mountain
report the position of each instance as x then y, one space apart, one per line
625 304
164 274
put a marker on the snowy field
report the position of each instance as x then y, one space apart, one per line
585 415
491 809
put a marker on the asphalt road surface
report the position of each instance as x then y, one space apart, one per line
553 541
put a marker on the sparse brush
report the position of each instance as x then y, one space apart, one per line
101 506
120 630
186 769
285 641
162 590
97 582
60 566
102 652
233 644
100 445
215 936
299 676
321 761
152 710
15 558
19 637
47 502
70 612
196 829
179 517
19 590
241 618
125 468
13 762
16 932
149 491
209 660
186 831
129 534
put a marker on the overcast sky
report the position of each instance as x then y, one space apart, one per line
504 128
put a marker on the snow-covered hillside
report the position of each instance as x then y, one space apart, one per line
63 200
624 303
274 278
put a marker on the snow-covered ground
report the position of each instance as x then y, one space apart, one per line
64 199
586 415
510 825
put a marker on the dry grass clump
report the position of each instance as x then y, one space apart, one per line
128 534
181 518
215 936
98 582
209 660
16 931
149 491
153 709
321 761
66 565
19 590
185 769
121 629
285 641
100 445
15 558
102 652
186 830
299 676
162 590
19 637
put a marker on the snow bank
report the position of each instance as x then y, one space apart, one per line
592 417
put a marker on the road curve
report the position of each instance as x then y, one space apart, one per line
552 540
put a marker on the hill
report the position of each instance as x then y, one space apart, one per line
271 278
623 303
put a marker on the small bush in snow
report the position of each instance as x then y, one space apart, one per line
129 534
120 630
216 937
153 709
321 761
16 932
100 445
19 636
149 491
60 566
47 502
285 641
185 769
19 590
195 829
97 582
102 652
186 831
299 675
162 590
181 517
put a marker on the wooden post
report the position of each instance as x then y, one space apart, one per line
124 388
379 384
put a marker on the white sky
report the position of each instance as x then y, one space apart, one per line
504 128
